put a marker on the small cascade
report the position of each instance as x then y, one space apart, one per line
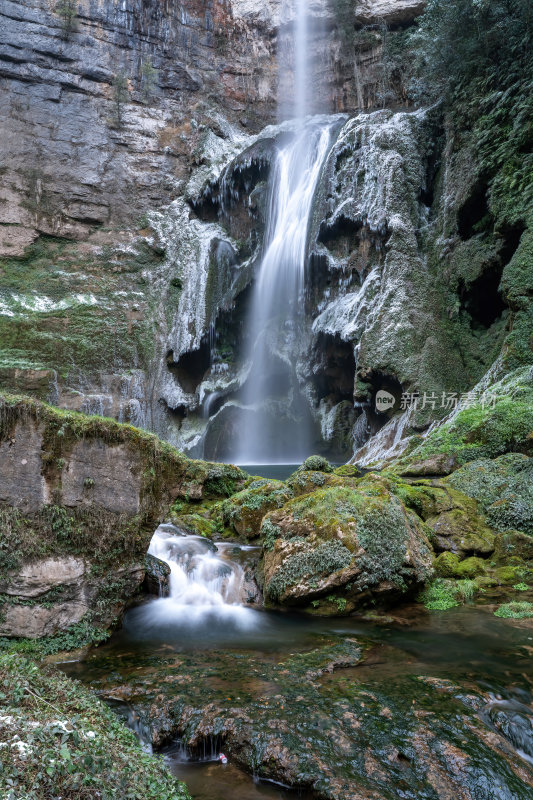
207 588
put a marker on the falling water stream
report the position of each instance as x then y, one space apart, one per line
275 316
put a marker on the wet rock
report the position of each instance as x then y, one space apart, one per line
344 546
156 579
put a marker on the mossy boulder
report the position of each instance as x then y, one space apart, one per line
513 544
461 531
196 524
306 481
503 487
449 565
353 545
317 464
244 511
426 498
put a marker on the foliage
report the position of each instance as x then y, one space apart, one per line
149 77
270 533
82 634
521 587
59 740
328 557
515 610
120 97
478 55
441 594
66 9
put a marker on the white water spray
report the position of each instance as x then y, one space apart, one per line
207 587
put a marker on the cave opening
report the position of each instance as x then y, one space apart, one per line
474 215
482 299
191 367
334 370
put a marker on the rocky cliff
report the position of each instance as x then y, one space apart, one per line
108 112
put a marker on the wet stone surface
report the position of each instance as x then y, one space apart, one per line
431 706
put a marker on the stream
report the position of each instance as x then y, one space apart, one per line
201 671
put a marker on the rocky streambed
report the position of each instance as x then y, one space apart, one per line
421 704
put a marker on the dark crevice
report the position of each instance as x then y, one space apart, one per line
510 240
334 370
482 299
474 217
191 367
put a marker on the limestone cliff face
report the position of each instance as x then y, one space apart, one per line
102 103
108 112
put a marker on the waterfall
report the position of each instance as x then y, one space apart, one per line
206 587
274 325
276 312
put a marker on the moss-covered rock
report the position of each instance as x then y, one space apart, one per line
317 464
244 511
462 532
449 565
503 487
351 544
513 544
306 481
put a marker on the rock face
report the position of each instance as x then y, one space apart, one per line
80 499
105 113
351 544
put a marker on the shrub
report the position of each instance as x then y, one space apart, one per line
515 610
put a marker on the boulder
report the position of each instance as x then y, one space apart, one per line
351 546
245 510
461 532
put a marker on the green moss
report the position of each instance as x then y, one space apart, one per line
74 746
316 464
446 565
515 610
471 568
75 314
521 587
311 565
510 574
449 565
488 431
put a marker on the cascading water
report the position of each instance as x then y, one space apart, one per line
207 588
276 313
274 325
